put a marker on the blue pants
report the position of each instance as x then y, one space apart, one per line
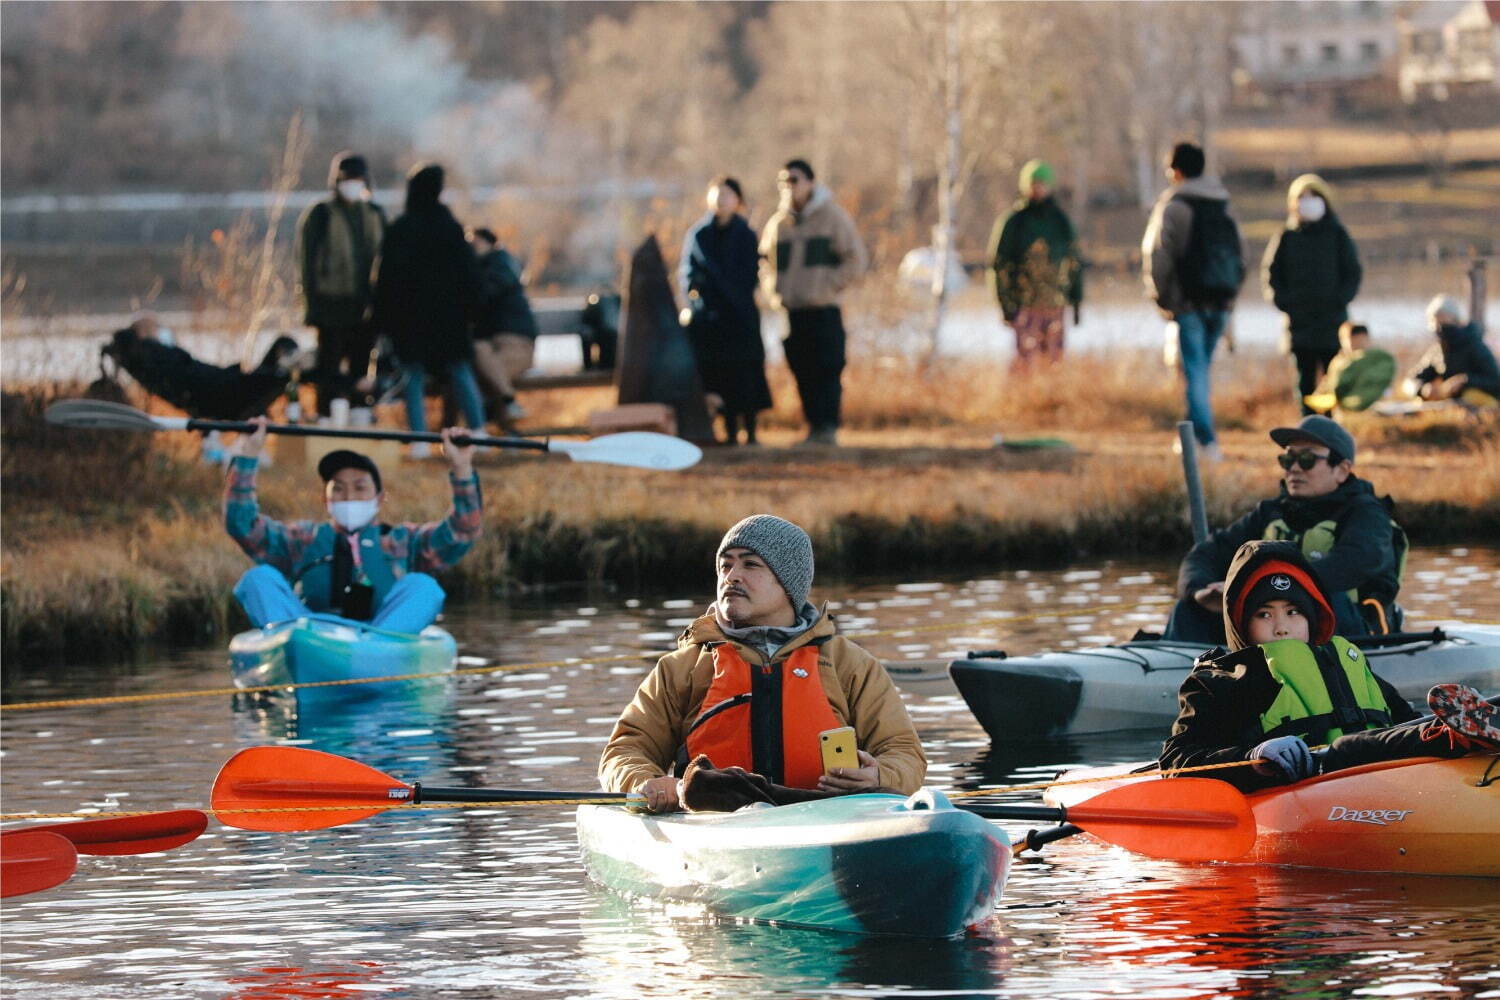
1197 335
410 606
461 374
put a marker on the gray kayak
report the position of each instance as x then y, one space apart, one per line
1134 685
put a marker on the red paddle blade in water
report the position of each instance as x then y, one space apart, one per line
294 778
33 860
146 834
1185 819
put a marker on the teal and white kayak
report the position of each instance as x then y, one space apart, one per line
313 650
864 864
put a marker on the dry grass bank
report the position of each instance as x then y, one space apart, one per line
114 539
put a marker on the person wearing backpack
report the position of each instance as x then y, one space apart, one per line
1311 272
1193 263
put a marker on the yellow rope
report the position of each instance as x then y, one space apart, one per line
518 667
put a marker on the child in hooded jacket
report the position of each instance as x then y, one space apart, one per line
1288 683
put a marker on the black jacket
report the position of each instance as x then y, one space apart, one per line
1363 556
1312 271
503 306
1221 701
1461 350
427 281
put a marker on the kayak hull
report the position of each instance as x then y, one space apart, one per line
1134 685
313 651
830 864
1421 816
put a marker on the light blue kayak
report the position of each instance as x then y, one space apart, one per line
866 864
312 650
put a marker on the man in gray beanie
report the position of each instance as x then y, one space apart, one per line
756 680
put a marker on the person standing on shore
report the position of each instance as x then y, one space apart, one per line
1311 272
424 294
1035 269
352 565
718 274
505 328
809 253
1193 263
338 243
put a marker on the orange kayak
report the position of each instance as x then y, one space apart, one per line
1422 816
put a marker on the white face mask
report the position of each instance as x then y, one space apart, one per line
351 515
1310 208
352 190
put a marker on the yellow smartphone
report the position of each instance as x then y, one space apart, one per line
838 748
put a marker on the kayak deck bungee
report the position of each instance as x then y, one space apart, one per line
1134 685
867 864
312 650
1420 816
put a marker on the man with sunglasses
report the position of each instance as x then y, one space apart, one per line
1343 529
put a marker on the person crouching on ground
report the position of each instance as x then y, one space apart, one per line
351 566
1460 365
752 684
1358 375
1288 684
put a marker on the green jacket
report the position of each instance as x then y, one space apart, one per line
1357 380
1034 258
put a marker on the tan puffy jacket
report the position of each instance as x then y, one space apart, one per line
646 739
807 258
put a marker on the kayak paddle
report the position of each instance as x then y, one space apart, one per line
289 778
116 835
1181 819
1186 819
33 860
637 449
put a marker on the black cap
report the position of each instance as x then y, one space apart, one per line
1320 429
345 459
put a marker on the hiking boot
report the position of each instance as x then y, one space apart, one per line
1466 712
828 436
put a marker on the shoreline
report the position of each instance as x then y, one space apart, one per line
153 565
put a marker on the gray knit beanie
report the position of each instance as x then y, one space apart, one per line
785 547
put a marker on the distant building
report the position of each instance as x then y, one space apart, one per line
1314 51
1449 48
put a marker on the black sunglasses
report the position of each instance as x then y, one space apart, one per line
1305 460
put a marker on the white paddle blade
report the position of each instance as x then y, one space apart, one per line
99 414
638 449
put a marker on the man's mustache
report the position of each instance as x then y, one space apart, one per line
732 591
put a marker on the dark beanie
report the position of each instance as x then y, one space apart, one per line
351 164
345 459
1278 581
785 547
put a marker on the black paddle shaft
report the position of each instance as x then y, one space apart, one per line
366 434
997 810
422 793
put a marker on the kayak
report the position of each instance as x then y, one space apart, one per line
1134 685
1420 816
310 650
865 864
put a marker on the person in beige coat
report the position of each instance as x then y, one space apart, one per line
798 675
809 253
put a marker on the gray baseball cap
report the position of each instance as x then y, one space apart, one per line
1320 429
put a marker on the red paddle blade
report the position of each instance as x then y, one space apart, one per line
32 860
292 778
131 834
1184 819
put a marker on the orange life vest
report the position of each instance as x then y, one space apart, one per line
777 741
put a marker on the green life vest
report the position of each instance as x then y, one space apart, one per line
1326 691
1317 541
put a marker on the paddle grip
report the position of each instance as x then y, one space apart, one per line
1035 840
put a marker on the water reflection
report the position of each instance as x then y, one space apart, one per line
483 903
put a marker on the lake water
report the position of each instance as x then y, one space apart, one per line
491 903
